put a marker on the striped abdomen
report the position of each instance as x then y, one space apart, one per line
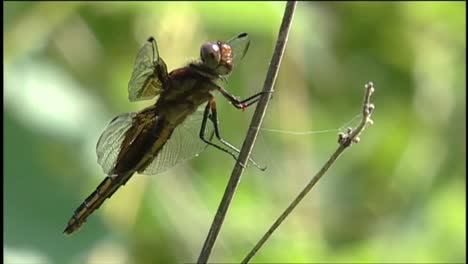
105 190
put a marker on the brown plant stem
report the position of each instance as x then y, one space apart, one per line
251 134
344 140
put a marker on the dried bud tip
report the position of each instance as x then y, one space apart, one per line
341 136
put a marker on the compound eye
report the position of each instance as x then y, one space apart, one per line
210 54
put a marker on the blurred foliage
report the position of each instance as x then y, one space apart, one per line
398 196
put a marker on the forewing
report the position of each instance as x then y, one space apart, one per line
239 45
148 73
184 144
110 141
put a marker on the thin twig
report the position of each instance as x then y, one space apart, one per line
251 134
344 140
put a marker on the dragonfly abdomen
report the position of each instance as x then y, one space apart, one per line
105 190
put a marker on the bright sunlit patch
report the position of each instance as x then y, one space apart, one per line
20 256
107 251
44 98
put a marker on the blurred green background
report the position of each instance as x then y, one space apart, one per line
398 196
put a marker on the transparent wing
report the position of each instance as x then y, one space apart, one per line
111 139
148 73
184 144
240 46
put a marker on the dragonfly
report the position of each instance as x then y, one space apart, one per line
177 127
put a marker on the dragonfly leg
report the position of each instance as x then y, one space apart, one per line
241 104
202 135
214 119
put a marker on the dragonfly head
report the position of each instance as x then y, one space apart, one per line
217 56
